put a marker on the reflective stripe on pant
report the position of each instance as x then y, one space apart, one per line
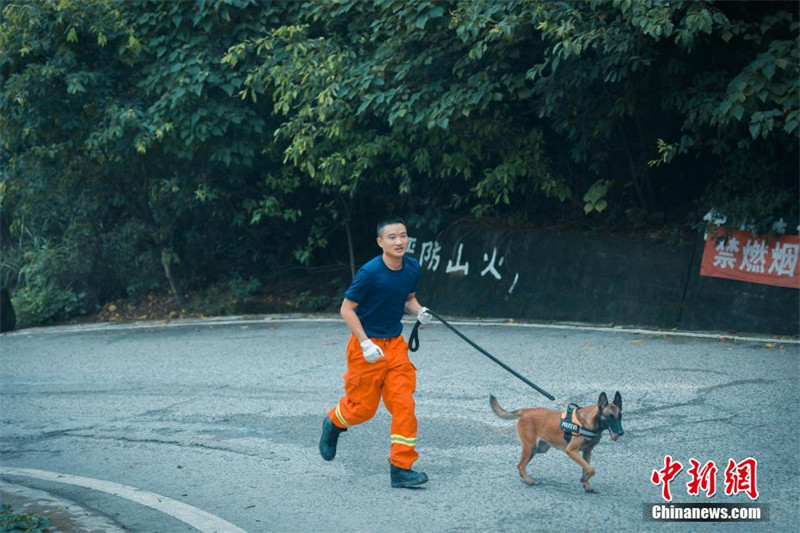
392 378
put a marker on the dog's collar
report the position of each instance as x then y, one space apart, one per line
571 426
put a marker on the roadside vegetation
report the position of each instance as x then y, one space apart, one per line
220 152
19 522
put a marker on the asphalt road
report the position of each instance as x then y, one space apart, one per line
224 419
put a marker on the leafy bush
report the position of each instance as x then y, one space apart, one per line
48 287
131 262
9 521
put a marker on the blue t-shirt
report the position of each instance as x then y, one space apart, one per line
381 295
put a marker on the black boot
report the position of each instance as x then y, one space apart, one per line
402 478
328 440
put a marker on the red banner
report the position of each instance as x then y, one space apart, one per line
746 257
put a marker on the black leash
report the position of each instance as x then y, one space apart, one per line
413 345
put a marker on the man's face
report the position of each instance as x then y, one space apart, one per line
393 240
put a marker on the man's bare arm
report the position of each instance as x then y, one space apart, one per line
412 305
348 312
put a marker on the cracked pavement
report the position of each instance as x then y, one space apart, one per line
226 418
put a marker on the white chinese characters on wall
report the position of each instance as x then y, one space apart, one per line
430 258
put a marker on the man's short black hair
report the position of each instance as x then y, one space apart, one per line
389 221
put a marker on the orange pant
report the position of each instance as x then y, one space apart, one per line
393 378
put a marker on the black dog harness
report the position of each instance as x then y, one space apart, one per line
571 426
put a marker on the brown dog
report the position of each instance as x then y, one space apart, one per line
540 428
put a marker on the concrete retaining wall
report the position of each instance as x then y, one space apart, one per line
572 277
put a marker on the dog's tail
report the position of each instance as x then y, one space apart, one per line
499 411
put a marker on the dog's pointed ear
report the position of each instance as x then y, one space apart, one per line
602 402
618 400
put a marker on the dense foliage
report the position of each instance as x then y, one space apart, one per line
154 143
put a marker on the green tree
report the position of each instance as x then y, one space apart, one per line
149 143
507 104
126 143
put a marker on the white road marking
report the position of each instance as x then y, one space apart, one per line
198 519
66 513
659 332
245 321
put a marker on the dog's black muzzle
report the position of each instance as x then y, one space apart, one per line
614 425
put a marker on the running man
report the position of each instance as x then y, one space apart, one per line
377 356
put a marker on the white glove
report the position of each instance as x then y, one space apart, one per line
372 352
424 316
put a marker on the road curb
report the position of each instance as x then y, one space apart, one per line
197 518
246 320
64 515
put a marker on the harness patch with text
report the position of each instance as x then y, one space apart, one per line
571 426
